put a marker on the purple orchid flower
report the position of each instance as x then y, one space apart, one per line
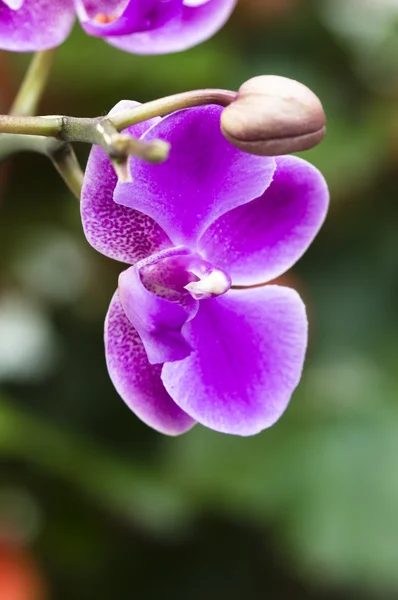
138 26
191 335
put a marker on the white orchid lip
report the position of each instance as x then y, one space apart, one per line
194 3
215 283
14 4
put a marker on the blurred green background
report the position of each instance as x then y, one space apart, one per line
95 505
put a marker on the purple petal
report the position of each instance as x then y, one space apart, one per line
138 382
248 354
35 25
116 231
196 24
261 240
204 177
128 16
157 319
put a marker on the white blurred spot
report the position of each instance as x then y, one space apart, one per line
28 347
53 266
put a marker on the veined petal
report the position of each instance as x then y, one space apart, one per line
116 231
248 353
196 23
138 382
260 240
34 24
203 178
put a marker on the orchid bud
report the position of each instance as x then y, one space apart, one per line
274 115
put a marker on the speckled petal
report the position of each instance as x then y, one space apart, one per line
138 382
34 24
116 231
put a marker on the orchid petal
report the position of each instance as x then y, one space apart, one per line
194 25
34 24
137 381
116 231
122 17
247 358
259 241
203 178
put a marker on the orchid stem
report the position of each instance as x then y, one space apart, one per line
25 104
65 161
169 104
102 131
34 83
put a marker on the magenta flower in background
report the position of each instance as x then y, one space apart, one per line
138 26
182 345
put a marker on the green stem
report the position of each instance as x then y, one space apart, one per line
25 125
11 144
169 104
25 104
34 83
65 161
99 131
102 131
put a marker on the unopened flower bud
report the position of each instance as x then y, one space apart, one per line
274 115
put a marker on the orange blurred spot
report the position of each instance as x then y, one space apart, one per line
104 19
20 577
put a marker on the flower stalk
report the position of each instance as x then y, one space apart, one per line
26 104
269 116
169 104
33 85
102 131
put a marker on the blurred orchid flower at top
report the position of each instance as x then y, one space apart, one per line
138 26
